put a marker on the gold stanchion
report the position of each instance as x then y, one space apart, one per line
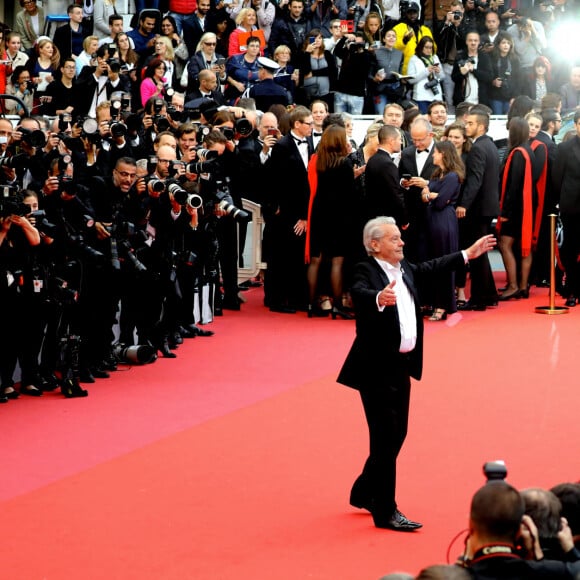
552 309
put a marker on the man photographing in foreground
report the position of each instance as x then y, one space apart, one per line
386 353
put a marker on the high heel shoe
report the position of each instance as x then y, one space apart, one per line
316 311
525 293
342 313
438 314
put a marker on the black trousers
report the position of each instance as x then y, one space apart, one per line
387 413
483 290
569 253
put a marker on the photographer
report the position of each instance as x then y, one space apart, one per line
112 236
426 72
25 150
97 83
17 236
472 73
529 41
506 82
351 82
321 12
450 40
23 88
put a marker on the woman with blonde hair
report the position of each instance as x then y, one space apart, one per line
246 27
205 53
43 66
163 48
331 223
90 45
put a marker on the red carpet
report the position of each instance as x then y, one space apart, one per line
235 460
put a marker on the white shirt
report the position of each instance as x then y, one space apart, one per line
405 306
421 158
302 147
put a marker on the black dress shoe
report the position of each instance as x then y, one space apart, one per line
283 309
48 382
231 304
86 376
472 306
99 372
571 301
201 332
397 522
165 350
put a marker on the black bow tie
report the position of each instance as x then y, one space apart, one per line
300 141
422 150
316 134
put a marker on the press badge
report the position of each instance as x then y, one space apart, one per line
38 285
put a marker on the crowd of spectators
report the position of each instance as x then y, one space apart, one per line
511 534
128 153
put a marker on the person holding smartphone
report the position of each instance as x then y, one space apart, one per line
317 69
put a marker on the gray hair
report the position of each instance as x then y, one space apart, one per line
373 230
422 121
397 576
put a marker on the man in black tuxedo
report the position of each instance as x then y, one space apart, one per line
386 353
383 194
207 89
478 205
551 123
417 162
286 213
566 181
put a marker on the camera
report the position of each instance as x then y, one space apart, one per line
243 127
495 470
30 86
140 354
226 203
154 184
464 62
160 121
205 161
457 15
227 132
41 223
18 161
182 197
11 201
34 138
433 86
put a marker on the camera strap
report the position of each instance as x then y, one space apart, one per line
494 551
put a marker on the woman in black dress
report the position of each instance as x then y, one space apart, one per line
331 220
518 206
441 196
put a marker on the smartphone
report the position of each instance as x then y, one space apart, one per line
273 132
407 176
312 39
221 61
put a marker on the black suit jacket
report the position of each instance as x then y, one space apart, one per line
288 178
383 194
551 197
416 209
567 176
63 41
480 194
378 334
192 31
